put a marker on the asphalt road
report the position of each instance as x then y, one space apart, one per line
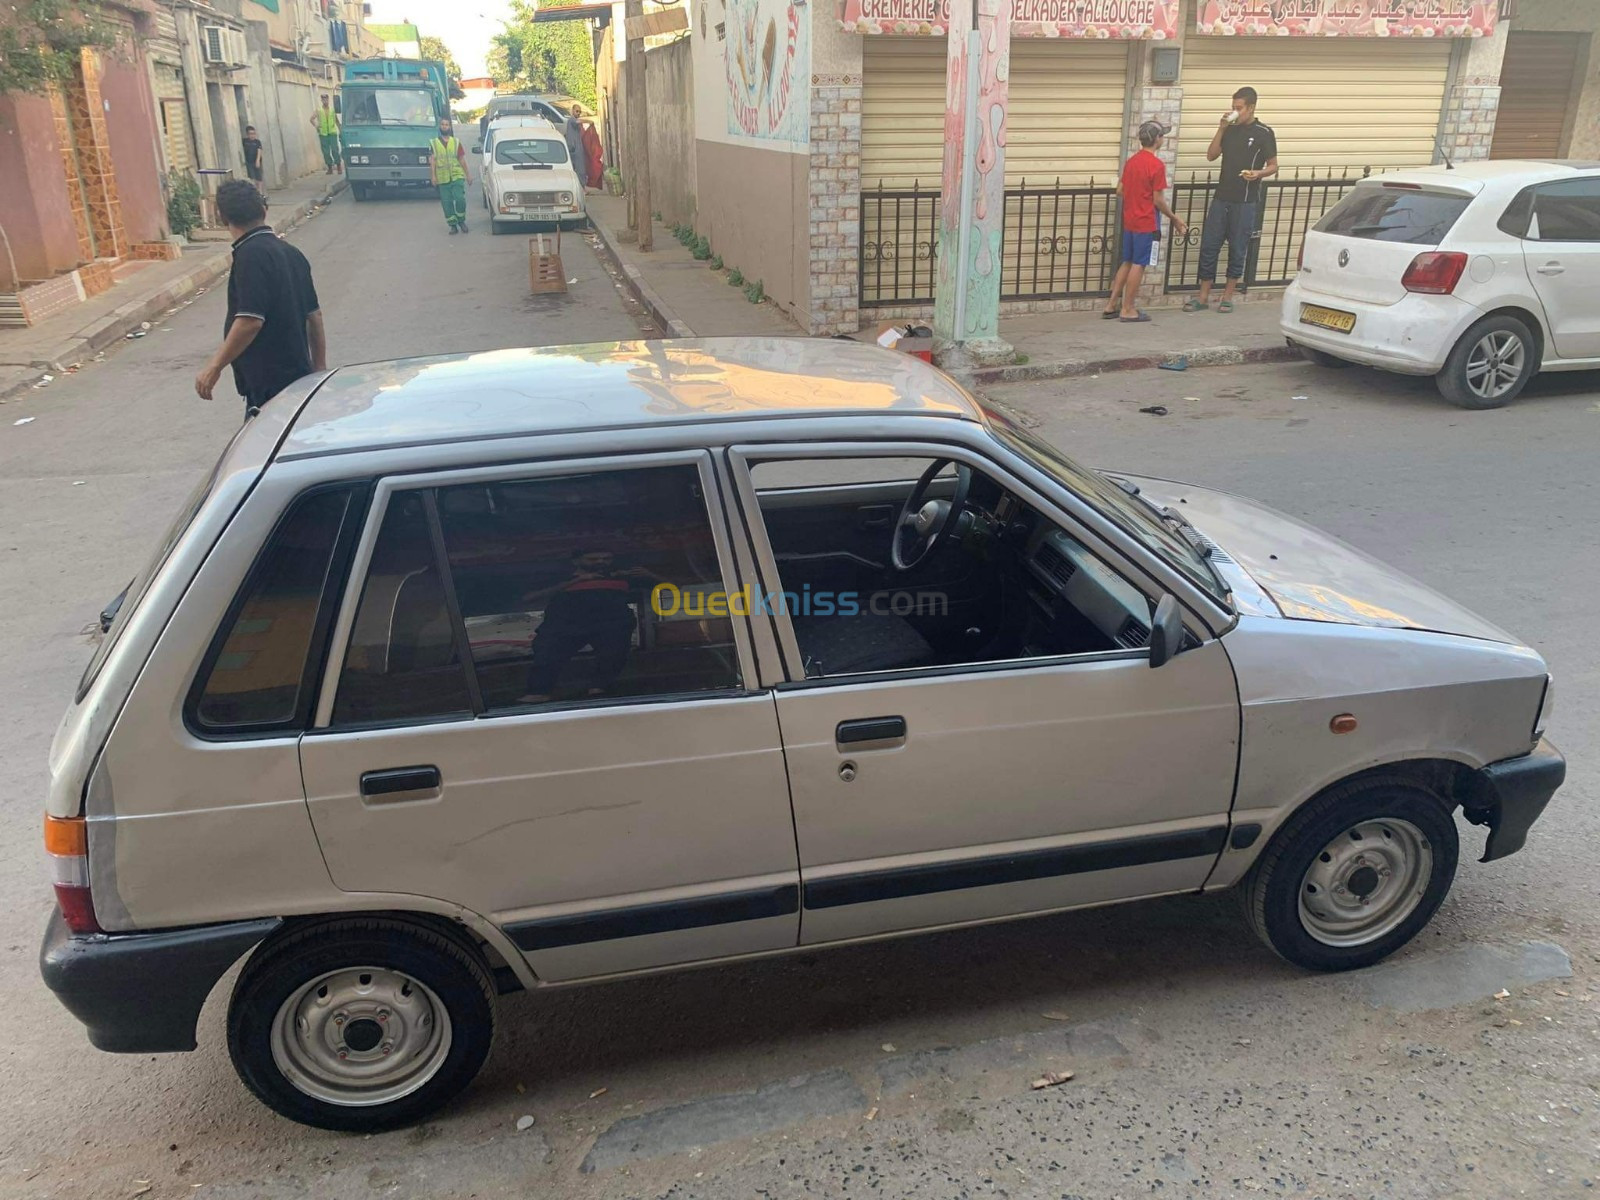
1204 1066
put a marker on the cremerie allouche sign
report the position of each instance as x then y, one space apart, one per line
1105 19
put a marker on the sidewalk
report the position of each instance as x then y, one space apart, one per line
683 294
143 292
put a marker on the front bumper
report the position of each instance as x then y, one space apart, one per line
1516 791
384 173
141 993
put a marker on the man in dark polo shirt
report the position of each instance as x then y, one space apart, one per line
1249 153
273 333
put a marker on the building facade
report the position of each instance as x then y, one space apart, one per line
819 128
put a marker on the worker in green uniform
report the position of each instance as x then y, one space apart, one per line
448 160
326 123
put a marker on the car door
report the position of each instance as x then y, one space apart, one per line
1562 251
506 725
970 790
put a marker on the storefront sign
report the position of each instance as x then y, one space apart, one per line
1348 18
1153 19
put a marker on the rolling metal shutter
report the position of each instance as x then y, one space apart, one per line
1333 102
1535 94
1065 117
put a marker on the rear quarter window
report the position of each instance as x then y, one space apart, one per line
1390 214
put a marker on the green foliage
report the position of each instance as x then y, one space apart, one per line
655 216
716 262
434 48
41 41
183 202
555 58
754 292
702 248
736 278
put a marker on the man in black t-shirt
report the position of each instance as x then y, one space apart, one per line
1249 153
273 332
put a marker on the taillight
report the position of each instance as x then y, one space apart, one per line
1436 272
66 842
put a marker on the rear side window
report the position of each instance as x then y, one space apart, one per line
1568 211
1390 214
261 672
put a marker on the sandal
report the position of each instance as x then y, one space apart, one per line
1225 306
1110 314
1143 316
1193 305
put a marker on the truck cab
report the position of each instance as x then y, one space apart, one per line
390 110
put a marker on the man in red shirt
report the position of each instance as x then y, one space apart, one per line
1144 180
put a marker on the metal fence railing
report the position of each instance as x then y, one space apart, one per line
1063 240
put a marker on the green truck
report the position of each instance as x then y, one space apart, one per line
389 109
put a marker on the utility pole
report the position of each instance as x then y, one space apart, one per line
966 298
638 127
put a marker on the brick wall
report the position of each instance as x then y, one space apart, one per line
834 194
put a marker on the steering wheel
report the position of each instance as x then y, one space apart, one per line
924 524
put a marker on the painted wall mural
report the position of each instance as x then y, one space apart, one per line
768 56
1348 18
1156 20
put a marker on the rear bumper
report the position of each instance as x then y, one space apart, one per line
1518 790
1413 336
141 993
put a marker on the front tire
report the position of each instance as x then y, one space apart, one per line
361 1024
1354 875
358 191
1490 365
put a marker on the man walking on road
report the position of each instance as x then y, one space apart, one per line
273 333
326 123
1249 153
1142 187
448 160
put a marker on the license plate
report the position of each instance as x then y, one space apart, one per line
1327 318
391 183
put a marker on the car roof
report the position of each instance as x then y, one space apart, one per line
610 386
1498 171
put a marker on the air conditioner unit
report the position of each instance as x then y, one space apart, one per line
216 39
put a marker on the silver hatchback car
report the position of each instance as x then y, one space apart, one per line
530 668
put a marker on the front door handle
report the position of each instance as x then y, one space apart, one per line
870 729
1551 268
399 781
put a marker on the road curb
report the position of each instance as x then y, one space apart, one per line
658 309
120 322
1203 356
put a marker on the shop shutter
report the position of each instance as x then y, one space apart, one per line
1333 102
1535 94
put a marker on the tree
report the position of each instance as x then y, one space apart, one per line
435 49
554 58
42 40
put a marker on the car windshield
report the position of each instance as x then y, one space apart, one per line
389 106
1139 519
545 151
1385 213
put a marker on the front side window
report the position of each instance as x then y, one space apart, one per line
259 675
513 152
589 588
1568 211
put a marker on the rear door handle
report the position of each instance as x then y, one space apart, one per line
398 781
870 729
1552 268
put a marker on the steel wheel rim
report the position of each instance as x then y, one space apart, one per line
360 1036
1495 364
1365 883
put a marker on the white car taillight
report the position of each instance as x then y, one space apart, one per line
1435 273
66 842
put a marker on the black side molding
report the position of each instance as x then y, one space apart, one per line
1244 836
642 919
898 882
141 993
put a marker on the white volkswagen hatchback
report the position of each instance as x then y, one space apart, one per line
1480 275
528 176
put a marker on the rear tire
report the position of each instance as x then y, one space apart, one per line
1322 358
361 1024
1490 365
1354 875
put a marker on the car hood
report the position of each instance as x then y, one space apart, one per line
1311 575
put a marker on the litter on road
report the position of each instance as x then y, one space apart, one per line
24 420
1055 1016
1051 1079
1155 410
524 1122
1180 363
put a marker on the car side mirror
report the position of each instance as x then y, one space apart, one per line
477 147
1166 632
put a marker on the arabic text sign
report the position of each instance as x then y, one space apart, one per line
1154 19
1348 18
